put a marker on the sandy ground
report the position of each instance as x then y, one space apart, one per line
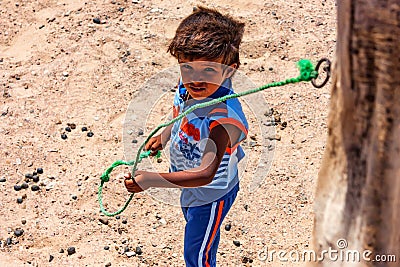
59 68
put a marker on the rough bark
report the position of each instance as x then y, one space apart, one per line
358 190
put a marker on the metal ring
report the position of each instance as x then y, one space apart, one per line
327 69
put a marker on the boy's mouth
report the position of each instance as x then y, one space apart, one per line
197 89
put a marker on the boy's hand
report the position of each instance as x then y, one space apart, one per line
154 144
137 184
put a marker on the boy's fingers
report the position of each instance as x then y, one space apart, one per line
156 145
129 185
155 150
132 187
150 143
128 176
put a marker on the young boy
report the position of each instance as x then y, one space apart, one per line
205 148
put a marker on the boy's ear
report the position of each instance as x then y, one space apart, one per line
231 70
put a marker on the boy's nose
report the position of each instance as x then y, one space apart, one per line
196 78
197 83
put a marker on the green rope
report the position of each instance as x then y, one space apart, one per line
307 72
105 177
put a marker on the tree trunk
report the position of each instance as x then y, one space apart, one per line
358 190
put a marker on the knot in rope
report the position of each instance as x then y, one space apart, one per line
307 71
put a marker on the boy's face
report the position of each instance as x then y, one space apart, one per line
202 77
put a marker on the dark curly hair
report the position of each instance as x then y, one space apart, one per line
206 33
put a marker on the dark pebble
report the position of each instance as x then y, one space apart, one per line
236 243
72 125
108 264
34 173
71 250
2 180
270 68
74 197
17 187
61 250
117 217
246 207
138 250
24 185
35 178
228 227
96 20
9 241
159 160
126 249
18 232
124 221
51 257
134 141
140 132
121 9
106 247
29 175
64 136
90 134
68 129
84 129
247 260
23 221
35 188
20 200
104 221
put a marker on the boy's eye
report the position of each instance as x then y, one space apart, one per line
210 70
187 66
